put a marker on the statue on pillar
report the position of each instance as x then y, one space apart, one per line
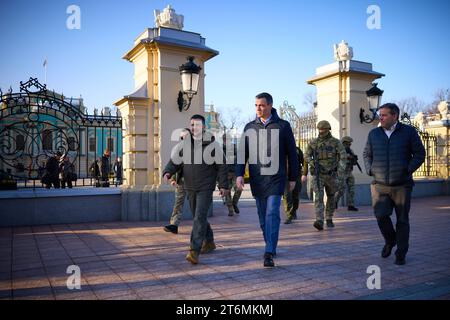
169 19
444 110
343 53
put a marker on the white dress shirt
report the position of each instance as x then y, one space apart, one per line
390 130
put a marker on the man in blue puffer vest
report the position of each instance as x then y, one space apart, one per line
392 153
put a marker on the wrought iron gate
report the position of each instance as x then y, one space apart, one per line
36 123
303 127
429 140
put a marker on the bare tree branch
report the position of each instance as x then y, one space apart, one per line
231 118
309 98
411 105
439 95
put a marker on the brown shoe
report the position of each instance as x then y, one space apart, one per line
192 257
207 247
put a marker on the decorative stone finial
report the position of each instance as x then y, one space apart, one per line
343 52
444 109
169 19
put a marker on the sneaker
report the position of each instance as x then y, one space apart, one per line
236 209
330 223
318 225
352 208
386 252
171 228
192 257
230 212
288 221
268 260
207 247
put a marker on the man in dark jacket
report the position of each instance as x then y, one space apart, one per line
118 170
105 168
202 160
52 171
265 144
392 153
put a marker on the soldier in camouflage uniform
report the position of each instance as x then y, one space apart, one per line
347 181
231 201
180 194
291 199
326 159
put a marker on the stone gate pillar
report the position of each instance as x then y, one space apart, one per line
341 93
150 114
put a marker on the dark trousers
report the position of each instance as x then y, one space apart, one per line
54 182
291 199
63 184
200 202
384 200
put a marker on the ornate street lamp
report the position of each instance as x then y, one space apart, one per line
374 99
190 74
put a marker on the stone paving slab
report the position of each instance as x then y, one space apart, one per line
138 260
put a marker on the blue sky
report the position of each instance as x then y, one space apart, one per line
272 46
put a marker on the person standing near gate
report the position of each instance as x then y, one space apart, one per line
326 160
229 201
177 181
105 169
202 161
51 175
291 199
393 152
66 172
347 181
118 170
268 145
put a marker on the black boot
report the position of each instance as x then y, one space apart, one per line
352 208
330 223
400 261
318 225
386 252
268 260
171 228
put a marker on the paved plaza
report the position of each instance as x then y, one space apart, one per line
138 260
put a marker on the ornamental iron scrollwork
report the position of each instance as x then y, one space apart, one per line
36 124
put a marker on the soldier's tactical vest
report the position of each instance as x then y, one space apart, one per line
327 155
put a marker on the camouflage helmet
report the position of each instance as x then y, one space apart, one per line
346 139
324 124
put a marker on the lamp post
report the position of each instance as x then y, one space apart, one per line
190 74
374 99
